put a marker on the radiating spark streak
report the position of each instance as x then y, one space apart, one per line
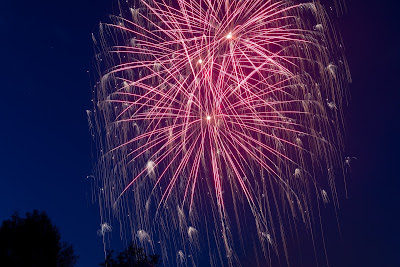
180 167
160 159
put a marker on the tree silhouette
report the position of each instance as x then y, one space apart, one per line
132 256
33 241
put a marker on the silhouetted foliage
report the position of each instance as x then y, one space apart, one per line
33 241
133 256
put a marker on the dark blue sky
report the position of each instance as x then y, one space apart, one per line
45 146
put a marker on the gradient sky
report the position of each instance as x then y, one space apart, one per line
45 147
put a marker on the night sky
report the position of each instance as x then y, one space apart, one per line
46 52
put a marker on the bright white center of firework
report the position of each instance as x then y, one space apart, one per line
229 36
208 118
200 61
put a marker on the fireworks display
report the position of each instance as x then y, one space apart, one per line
218 124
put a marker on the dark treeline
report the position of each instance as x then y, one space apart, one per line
132 256
34 241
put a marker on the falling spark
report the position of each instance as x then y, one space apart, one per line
104 228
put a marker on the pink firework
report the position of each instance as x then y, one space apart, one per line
210 111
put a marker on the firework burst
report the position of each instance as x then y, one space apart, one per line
208 111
